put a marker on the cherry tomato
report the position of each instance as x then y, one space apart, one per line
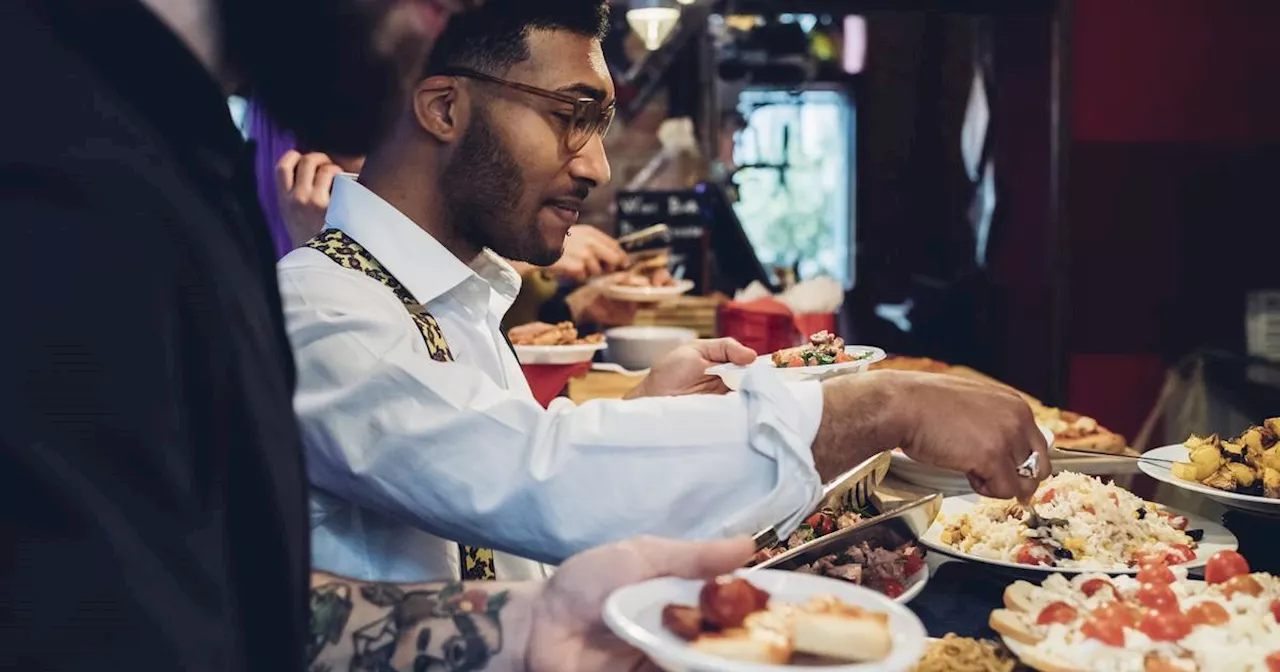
843 357
1056 612
1047 496
1273 662
1092 586
1165 626
821 523
1034 554
1158 597
893 589
914 561
1117 612
1242 584
1110 633
1224 565
1181 553
1275 610
1208 613
1156 574
794 362
1176 522
728 600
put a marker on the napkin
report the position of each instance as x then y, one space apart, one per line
811 306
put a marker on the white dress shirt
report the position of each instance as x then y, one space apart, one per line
401 448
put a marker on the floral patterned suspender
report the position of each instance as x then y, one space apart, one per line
477 563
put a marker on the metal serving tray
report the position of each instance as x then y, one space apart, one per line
901 524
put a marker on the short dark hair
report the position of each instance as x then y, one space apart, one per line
493 37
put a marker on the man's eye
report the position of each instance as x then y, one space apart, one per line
564 117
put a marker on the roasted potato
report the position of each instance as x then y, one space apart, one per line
1273 425
1222 480
1243 474
1186 471
1271 482
1207 460
1230 447
1271 458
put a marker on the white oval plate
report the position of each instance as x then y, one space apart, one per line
732 374
634 613
1179 453
557 354
1216 538
645 294
946 481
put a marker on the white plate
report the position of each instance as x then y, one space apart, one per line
557 354
732 374
634 613
645 294
1216 538
1179 453
946 481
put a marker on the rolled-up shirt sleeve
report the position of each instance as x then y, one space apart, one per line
443 447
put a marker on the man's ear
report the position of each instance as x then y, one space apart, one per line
439 108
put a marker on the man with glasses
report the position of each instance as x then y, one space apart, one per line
416 417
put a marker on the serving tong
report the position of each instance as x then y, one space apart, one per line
851 490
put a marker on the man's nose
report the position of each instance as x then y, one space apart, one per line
591 164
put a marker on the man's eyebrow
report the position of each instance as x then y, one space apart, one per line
585 90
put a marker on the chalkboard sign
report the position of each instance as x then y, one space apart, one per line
682 212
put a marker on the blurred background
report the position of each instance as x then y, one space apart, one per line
1073 196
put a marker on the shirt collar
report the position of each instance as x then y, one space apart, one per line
412 255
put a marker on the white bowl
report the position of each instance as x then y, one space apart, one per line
634 613
557 354
639 347
864 355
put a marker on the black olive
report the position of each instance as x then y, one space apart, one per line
1142 513
1196 535
1062 554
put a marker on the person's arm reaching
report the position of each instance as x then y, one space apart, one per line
534 626
441 445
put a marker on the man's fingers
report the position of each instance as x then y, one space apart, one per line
695 559
285 168
324 184
591 267
725 350
304 176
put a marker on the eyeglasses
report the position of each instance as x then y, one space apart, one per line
589 116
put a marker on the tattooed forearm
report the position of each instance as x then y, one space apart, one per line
378 627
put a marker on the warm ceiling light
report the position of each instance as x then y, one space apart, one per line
653 21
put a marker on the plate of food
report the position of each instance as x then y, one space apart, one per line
1168 623
769 620
946 481
543 343
1076 523
823 356
1241 473
953 653
647 280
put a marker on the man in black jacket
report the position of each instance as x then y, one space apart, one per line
151 475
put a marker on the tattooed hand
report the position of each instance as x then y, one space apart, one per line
568 634
538 627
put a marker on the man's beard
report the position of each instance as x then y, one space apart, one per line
482 187
316 67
